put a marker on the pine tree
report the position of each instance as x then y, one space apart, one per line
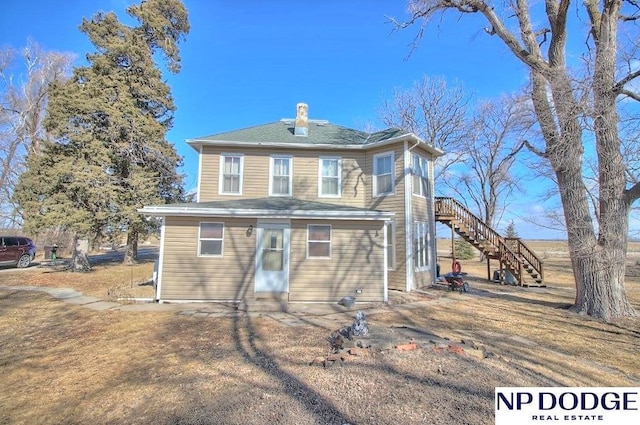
464 250
110 121
510 231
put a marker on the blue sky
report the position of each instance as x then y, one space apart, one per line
248 62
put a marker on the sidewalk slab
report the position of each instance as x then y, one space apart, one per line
81 300
102 305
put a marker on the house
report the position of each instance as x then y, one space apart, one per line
301 210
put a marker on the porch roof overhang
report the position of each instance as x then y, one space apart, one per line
275 207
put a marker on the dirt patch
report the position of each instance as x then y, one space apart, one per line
161 367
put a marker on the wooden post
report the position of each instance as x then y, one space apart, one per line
488 268
453 247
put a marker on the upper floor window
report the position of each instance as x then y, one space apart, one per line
420 172
330 177
281 176
210 239
231 168
383 174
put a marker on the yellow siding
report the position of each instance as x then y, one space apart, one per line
357 261
357 185
305 174
189 277
394 203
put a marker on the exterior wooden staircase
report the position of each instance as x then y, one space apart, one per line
512 253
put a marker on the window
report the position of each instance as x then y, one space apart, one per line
391 245
210 239
281 176
420 173
231 174
318 241
420 245
330 176
383 174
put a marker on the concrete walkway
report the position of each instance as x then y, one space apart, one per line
328 316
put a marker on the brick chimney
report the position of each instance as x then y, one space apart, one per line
301 126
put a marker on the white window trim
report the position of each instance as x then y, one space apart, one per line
211 239
221 178
375 193
334 158
330 241
425 171
271 166
392 242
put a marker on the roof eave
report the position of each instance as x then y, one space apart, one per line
435 152
257 213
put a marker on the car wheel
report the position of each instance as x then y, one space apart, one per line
24 261
465 287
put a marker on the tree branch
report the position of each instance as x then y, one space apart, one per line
631 94
535 150
619 87
633 194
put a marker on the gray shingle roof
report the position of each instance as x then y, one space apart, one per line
267 207
319 133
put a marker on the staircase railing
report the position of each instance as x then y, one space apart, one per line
527 254
510 251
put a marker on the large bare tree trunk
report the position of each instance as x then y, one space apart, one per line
79 258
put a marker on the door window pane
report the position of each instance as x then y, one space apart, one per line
273 250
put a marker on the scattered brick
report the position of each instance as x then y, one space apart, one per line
407 347
335 357
357 352
456 349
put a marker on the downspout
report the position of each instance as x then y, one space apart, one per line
432 221
160 261
408 216
385 255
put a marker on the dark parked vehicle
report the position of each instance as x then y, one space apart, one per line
16 251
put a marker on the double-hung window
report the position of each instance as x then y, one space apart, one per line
318 241
210 238
391 245
281 176
420 245
330 177
383 174
420 173
231 167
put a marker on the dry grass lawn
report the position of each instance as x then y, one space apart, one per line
62 363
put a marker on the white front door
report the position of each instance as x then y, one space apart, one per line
272 257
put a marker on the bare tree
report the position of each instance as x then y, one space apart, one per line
434 112
597 239
495 137
22 109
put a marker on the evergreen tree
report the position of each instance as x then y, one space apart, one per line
110 121
510 231
464 250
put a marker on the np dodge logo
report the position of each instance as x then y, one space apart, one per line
601 405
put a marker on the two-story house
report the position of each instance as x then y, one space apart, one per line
301 210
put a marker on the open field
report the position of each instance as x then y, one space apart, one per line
62 363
